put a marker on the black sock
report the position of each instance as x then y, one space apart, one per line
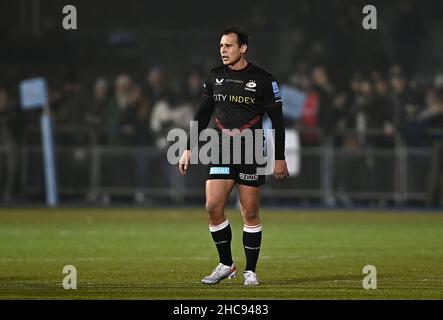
251 243
222 236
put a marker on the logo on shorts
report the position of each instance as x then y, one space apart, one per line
248 177
219 170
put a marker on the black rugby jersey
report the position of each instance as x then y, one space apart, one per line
241 97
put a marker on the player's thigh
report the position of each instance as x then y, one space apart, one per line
249 199
217 192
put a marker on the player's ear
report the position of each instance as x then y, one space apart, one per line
243 48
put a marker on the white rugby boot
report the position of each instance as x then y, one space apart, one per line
219 273
250 278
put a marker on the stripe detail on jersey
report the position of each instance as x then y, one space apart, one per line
276 104
219 227
252 229
249 124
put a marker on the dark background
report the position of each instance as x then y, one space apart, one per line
133 35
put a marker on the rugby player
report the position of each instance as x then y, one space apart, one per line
239 93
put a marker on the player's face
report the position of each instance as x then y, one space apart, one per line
230 51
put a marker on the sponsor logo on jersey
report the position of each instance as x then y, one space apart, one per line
248 177
276 90
219 170
234 80
218 82
220 97
250 86
236 99
241 99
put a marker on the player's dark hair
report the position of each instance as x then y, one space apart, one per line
242 36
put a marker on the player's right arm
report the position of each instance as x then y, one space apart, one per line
203 116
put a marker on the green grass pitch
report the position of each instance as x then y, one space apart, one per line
164 253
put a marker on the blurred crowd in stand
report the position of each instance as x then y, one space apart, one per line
342 86
377 110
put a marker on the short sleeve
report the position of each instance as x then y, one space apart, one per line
271 94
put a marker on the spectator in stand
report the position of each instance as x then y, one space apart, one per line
165 117
328 119
325 92
428 126
71 106
95 117
384 166
366 115
156 88
341 107
403 100
366 118
120 129
192 89
293 97
383 103
120 113
432 124
143 138
340 163
308 123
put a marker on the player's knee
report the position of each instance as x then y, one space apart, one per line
214 209
250 214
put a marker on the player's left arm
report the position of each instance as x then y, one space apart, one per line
280 165
273 106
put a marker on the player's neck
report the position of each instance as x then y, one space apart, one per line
239 65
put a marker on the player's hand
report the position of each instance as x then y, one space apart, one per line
280 170
184 161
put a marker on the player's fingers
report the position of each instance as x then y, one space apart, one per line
182 169
278 176
185 167
281 175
